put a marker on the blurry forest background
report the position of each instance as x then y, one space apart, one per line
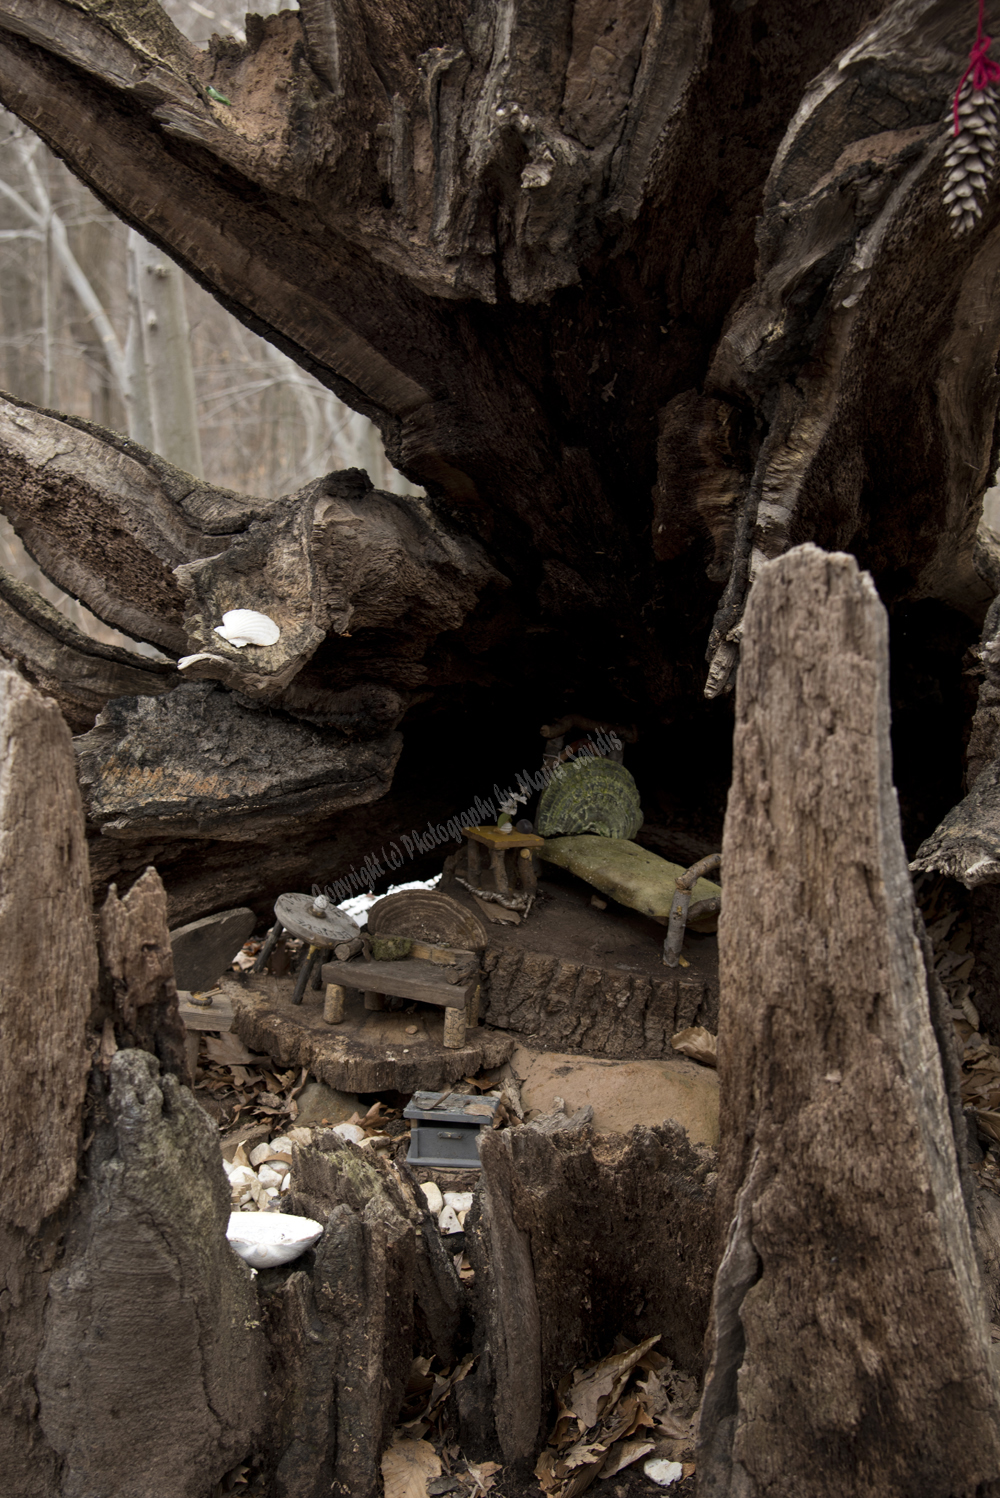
96 322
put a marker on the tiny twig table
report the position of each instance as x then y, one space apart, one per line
512 866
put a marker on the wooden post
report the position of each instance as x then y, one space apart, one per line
454 1028
333 1007
848 1326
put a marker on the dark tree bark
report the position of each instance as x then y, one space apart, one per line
641 296
850 1341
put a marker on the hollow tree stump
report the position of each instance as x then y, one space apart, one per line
850 1341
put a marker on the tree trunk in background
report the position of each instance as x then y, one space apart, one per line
640 298
164 338
850 1341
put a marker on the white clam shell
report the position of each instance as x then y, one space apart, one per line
203 655
433 1197
351 1132
265 1239
246 627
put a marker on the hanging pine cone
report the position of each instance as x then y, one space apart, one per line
971 156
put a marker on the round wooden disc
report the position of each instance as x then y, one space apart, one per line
428 915
295 914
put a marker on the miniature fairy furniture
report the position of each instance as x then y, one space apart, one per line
422 946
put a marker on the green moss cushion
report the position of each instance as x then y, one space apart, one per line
629 874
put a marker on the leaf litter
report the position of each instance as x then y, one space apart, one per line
631 1404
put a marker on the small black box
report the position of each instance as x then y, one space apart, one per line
445 1127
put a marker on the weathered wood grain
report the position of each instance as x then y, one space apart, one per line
576 1240
850 1340
566 1005
137 973
48 979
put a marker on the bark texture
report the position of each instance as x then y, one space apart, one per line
576 1239
49 978
47 989
637 294
382 1283
564 1005
850 1341
137 972
151 1378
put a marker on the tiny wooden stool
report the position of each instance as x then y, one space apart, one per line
512 866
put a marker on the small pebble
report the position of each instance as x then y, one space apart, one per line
448 1221
411 1029
433 1197
460 1200
662 1472
282 1145
350 1131
260 1152
268 1177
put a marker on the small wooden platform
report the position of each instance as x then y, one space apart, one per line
370 1051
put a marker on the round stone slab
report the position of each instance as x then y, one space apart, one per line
295 912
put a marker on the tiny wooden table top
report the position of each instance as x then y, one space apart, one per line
492 837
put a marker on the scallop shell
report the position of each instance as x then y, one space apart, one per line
265 1239
246 627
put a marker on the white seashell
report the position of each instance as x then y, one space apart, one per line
203 655
351 1132
448 1221
269 1179
246 627
460 1200
286 1184
433 1197
265 1239
271 1191
662 1472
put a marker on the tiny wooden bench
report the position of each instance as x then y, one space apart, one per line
408 978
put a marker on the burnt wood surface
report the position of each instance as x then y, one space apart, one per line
642 297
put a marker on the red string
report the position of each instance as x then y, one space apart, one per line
983 69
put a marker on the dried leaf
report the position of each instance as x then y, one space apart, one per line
595 1390
698 1043
408 1466
623 1454
483 1475
229 1050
